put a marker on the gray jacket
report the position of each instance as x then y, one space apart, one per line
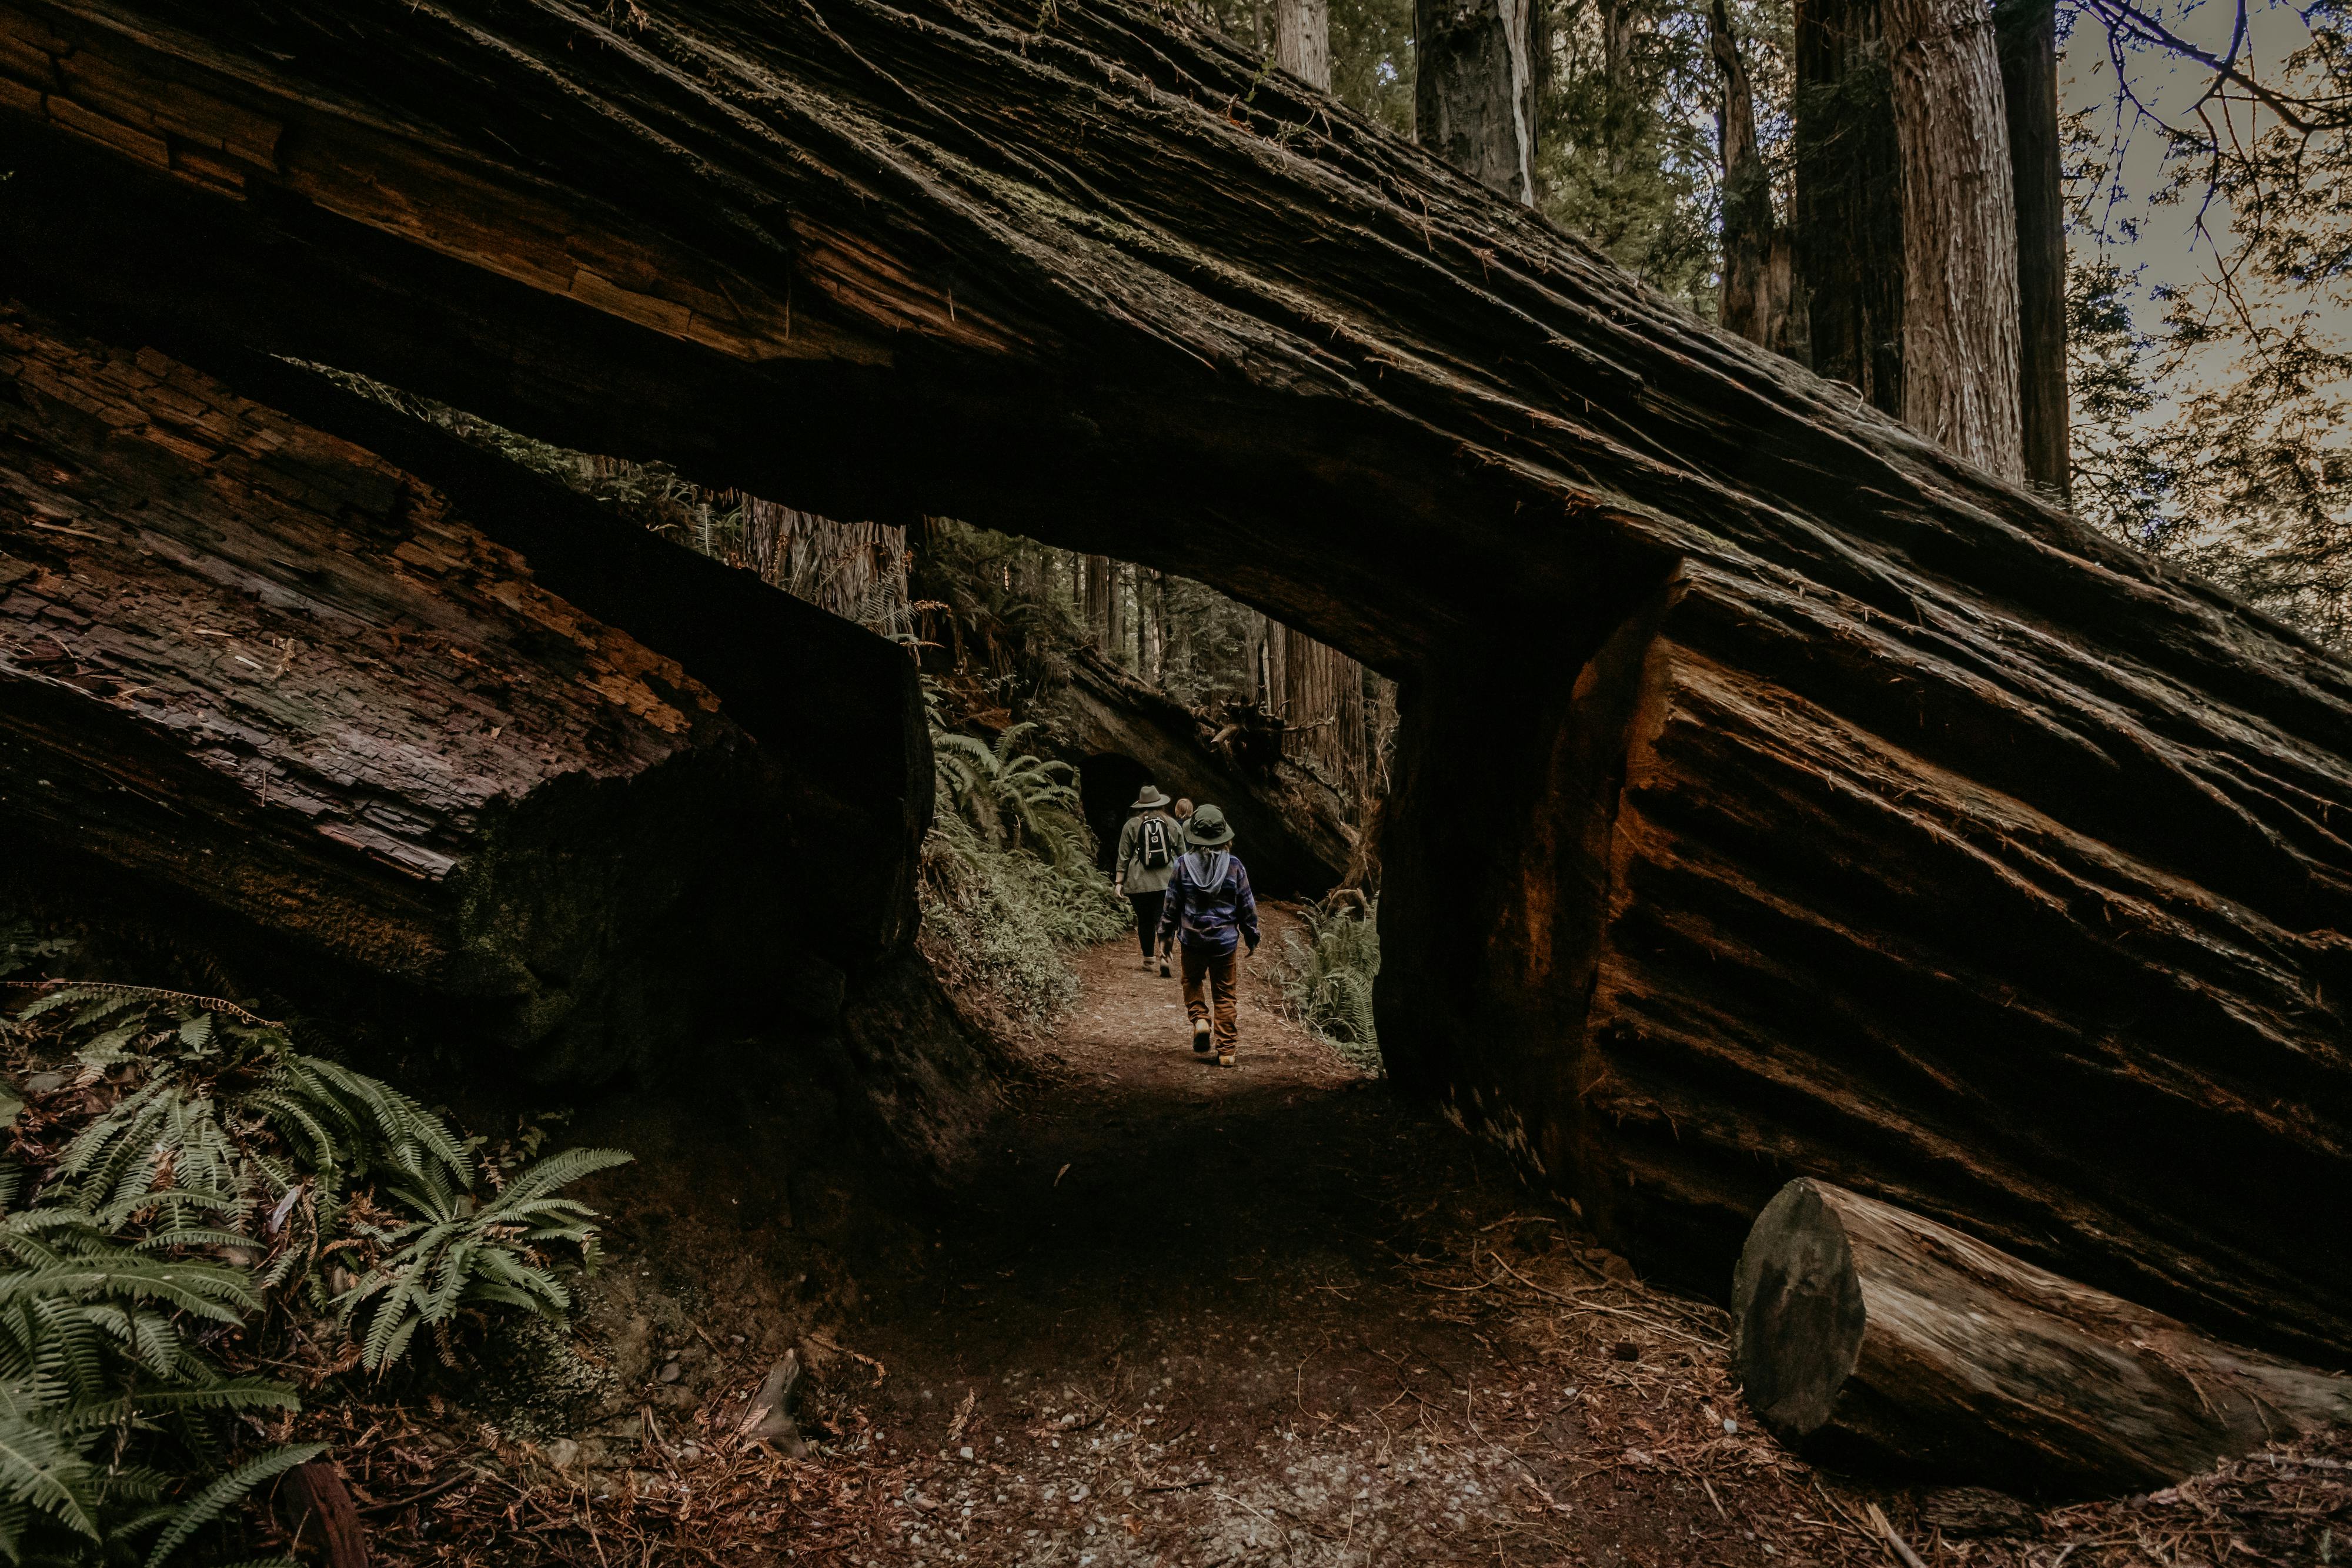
1131 868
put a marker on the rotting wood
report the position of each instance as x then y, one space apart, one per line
1777 794
1870 1337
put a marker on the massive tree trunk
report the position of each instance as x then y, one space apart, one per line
1870 1337
1474 98
1323 702
1759 280
250 668
1848 200
1960 349
1778 794
1323 711
2028 36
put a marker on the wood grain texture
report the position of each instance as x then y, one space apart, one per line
1867 1335
1777 794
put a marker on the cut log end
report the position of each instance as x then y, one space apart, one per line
1800 1310
1872 1337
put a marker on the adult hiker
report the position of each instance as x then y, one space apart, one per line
1147 847
1210 913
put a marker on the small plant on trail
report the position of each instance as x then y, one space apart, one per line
1326 979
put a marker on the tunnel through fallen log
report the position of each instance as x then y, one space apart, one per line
1777 795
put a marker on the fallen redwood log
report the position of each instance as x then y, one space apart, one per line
258 682
1290 826
1870 1337
1776 794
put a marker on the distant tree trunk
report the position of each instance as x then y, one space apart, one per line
1959 233
2027 32
1848 206
1475 93
1096 600
1323 709
1759 261
1302 40
1115 615
1620 23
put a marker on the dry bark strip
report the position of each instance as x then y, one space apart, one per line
1777 794
1867 1334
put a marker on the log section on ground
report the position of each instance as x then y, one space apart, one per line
1777 794
265 672
1871 1336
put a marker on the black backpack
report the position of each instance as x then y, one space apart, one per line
1153 842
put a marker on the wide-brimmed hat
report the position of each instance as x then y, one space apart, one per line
1207 829
1149 798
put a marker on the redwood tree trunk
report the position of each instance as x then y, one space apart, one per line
1302 40
1475 87
1848 205
2028 32
1961 345
1758 264
1863 816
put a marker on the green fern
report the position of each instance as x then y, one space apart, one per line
222 1144
1326 979
1014 799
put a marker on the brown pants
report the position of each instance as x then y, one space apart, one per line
1220 971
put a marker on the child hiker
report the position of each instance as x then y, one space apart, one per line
1210 911
1147 847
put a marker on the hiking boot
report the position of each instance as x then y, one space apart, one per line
1163 966
1201 1035
1224 1059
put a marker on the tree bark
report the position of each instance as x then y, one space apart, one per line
2028 38
1759 262
1860 816
1868 1336
251 669
1960 342
1474 88
1099 602
1302 40
1848 199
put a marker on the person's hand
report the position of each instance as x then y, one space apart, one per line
1118 889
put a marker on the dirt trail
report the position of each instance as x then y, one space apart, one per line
1171 1315
1181 1314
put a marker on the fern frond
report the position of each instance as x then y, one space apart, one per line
225 1493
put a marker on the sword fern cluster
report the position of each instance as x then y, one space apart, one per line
177 1169
1327 979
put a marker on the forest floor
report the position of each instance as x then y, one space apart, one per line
1178 1315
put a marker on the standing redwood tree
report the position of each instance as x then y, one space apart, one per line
1477 88
1848 208
2026 33
1959 233
1759 282
1322 688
